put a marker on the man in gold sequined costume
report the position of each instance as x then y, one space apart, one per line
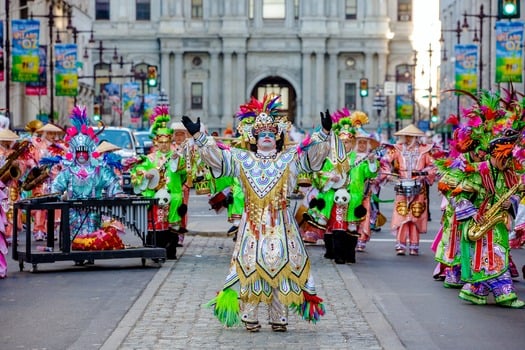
269 261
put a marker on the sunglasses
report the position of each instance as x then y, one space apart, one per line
267 134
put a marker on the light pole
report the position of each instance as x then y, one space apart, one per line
51 24
458 30
481 17
378 104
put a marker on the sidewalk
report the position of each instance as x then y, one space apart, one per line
170 313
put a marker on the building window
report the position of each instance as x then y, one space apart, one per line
404 10
143 10
350 9
196 8
102 10
350 95
274 9
250 9
196 95
296 9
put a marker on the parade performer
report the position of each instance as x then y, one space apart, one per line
227 194
361 178
411 164
47 141
9 172
84 176
269 260
465 151
161 175
184 146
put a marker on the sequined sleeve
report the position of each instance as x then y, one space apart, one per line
313 159
219 160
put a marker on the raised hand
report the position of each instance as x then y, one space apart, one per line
192 127
326 121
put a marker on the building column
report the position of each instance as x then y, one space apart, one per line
320 76
178 103
242 95
214 86
333 82
165 75
305 95
227 92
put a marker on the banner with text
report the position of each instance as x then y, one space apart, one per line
39 88
509 55
25 38
466 67
66 76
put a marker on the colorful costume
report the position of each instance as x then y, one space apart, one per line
161 175
269 260
7 178
47 142
413 165
83 175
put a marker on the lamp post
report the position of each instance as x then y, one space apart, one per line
429 89
378 104
142 76
481 17
51 24
458 30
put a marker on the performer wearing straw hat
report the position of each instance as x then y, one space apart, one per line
412 164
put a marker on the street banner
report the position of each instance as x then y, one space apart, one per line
132 101
2 51
25 57
150 102
509 52
66 76
466 67
404 107
39 88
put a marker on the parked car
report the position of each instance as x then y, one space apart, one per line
130 147
145 141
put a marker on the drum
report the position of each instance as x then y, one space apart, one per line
218 202
408 187
311 233
304 180
202 187
337 220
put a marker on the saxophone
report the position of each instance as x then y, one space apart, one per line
493 215
10 170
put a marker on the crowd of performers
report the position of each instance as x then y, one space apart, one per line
340 169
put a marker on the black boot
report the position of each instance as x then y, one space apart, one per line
352 243
340 246
329 245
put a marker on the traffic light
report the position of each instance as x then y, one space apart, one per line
152 76
508 9
96 113
435 115
363 87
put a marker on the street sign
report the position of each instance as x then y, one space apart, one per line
390 88
379 102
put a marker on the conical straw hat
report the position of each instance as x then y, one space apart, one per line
8 135
51 128
106 147
410 130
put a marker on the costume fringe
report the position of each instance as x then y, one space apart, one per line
226 307
311 309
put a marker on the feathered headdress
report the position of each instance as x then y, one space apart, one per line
257 116
342 124
80 136
160 120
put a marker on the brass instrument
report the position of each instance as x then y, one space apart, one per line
35 177
10 171
493 215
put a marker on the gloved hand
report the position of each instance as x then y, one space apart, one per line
326 120
192 127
